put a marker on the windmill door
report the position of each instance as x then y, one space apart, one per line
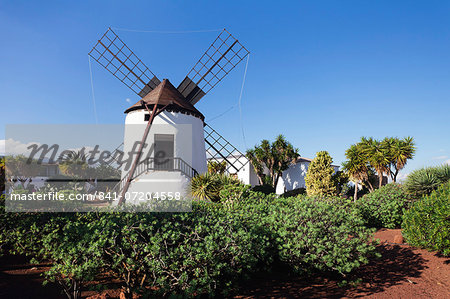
164 151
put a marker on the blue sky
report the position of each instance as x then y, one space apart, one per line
323 73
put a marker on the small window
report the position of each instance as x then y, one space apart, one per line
146 117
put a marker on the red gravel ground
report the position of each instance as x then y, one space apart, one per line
401 272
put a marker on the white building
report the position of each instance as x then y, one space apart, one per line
292 178
176 132
47 170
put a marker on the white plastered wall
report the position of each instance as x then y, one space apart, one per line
188 142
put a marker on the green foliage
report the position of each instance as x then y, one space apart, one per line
207 186
319 178
427 223
383 207
234 192
378 155
265 188
340 180
399 152
295 192
356 167
209 251
274 157
72 246
217 167
75 164
206 251
104 172
2 175
424 180
311 234
387 156
64 239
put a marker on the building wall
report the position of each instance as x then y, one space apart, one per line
246 174
187 130
294 177
188 142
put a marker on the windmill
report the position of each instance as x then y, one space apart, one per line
162 103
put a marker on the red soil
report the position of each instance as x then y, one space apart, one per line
401 272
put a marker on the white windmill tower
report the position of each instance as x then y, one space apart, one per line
164 132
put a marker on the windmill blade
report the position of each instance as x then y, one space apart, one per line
220 150
114 55
220 58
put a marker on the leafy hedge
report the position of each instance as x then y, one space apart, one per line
208 251
427 223
384 207
311 234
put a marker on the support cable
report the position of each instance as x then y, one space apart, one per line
240 98
168 32
92 91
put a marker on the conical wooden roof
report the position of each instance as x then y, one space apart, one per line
166 94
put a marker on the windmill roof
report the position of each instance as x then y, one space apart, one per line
166 94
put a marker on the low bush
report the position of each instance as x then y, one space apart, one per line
295 192
63 239
205 252
427 223
209 251
383 207
312 234
423 181
265 189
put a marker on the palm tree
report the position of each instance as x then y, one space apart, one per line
400 152
377 154
73 163
274 156
356 167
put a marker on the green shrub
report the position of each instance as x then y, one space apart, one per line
217 167
312 234
384 206
209 251
427 223
319 178
423 181
295 192
62 239
265 189
234 192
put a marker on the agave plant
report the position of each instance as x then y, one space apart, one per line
207 186
443 173
423 181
